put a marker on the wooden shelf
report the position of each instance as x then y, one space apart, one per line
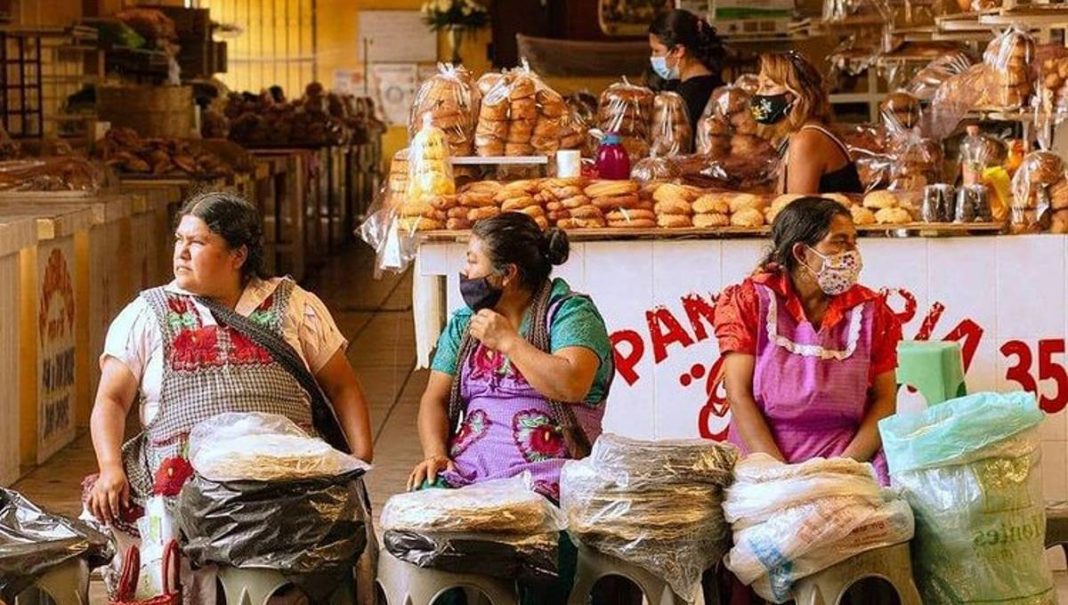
473 160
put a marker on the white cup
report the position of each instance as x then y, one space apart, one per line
568 163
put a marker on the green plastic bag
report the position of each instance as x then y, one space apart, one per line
970 470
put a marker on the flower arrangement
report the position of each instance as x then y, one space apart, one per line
464 15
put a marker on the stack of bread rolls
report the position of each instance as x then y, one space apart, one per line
451 100
672 134
674 206
627 110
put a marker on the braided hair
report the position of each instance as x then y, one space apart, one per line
515 239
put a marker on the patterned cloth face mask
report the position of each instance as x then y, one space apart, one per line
839 272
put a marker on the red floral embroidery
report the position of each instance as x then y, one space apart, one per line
267 303
171 476
193 349
538 436
244 351
473 428
178 305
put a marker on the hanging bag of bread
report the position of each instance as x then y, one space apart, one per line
451 99
431 189
627 110
926 82
1003 81
672 134
1040 194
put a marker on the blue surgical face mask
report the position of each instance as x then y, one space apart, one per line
662 69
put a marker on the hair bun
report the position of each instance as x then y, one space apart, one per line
558 248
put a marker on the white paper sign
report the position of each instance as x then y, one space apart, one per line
397 37
395 86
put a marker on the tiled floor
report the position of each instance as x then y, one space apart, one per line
376 318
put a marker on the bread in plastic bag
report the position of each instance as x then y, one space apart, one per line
927 81
451 100
917 160
1004 80
811 515
727 114
653 504
1039 188
672 134
900 110
500 506
65 173
263 447
970 469
627 110
520 115
528 558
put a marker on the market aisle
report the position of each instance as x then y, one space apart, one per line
376 318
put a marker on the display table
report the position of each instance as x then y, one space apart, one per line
1002 297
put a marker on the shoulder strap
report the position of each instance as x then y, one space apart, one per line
837 141
324 417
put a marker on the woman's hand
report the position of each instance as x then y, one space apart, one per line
110 494
494 331
428 470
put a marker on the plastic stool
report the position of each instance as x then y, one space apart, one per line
255 586
1057 526
891 563
594 565
66 584
406 584
935 369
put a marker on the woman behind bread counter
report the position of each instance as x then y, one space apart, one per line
688 54
792 100
810 354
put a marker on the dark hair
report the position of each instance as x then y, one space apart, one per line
680 27
805 221
514 238
233 218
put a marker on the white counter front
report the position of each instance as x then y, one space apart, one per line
1002 297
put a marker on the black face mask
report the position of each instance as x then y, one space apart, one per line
769 109
478 293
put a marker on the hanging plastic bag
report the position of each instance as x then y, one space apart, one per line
627 110
672 134
507 506
263 447
33 541
970 470
1039 188
927 81
528 558
653 504
451 100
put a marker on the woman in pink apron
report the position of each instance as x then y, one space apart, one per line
810 354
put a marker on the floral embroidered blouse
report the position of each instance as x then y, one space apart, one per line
134 338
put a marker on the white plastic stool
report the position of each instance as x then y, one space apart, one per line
890 563
255 586
405 584
65 584
594 565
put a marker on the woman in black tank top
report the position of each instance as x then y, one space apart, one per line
792 100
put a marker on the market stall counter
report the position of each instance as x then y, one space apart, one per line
996 295
17 238
53 384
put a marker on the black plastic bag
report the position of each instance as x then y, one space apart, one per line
530 559
33 541
295 527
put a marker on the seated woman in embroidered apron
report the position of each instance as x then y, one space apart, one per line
528 364
168 351
792 102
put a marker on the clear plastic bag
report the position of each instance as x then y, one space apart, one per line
927 81
627 110
970 470
500 506
451 100
672 134
529 558
1039 187
1003 81
726 115
65 173
917 160
520 115
900 111
653 504
263 447
810 515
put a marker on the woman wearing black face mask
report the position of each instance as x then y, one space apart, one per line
793 102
